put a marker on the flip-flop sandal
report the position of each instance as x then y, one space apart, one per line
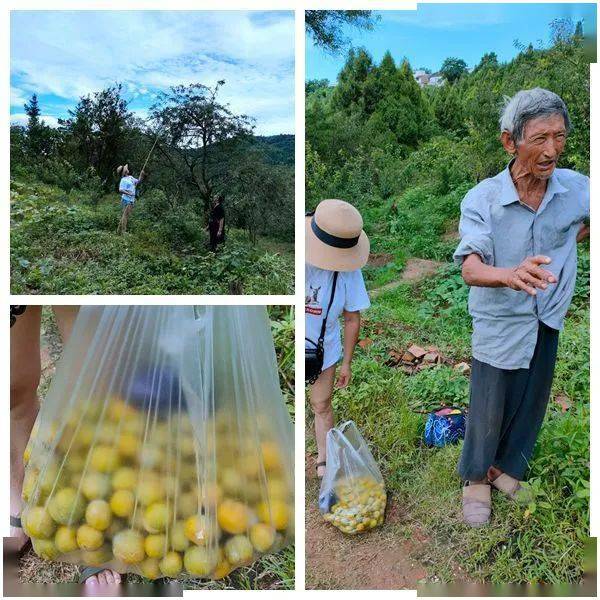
511 487
17 524
320 464
477 504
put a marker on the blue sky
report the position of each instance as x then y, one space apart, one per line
63 55
435 31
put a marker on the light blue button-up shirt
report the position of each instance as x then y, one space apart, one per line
503 231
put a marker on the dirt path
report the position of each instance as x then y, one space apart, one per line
379 560
415 269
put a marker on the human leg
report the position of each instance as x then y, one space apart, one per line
518 440
25 372
320 401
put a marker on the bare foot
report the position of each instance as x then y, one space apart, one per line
106 577
321 471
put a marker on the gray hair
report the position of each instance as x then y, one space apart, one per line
530 104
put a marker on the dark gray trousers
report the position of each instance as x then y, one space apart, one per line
506 410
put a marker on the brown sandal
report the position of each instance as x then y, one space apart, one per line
320 464
477 504
511 487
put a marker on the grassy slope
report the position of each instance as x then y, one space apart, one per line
273 571
61 245
540 542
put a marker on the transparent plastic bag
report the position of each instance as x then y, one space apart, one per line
352 495
163 446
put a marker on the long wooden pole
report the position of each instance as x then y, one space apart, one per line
151 149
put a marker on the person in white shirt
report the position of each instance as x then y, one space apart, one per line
127 189
335 242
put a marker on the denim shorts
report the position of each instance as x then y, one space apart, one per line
125 203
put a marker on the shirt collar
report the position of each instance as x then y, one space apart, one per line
510 194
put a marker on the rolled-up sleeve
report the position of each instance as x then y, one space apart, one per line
474 230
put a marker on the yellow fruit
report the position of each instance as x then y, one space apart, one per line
98 514
89 538
85 435
155 545
156 517
45 549
275 512
29 484
75 465
238 550
95 485
118 409
66 506
128 546
106 434
122 503
271 456
65 539
262 536
232 481
170 565
150 568
277 489
104 458
128 445
151 456
200 561
150 489
124 478
187 505
177 537
233 517
48 478
95 558
37 523
200 530
222 569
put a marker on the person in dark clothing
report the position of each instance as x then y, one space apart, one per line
216 223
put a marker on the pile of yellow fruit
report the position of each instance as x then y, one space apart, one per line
360 505
136 492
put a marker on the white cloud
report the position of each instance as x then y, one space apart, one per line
72 53
22 118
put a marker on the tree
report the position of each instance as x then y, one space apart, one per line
325 26
32 110
488 60
351 92
39 138
198 137
96 130
453 68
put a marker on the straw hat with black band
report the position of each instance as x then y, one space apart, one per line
335 240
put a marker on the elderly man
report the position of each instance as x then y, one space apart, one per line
518 253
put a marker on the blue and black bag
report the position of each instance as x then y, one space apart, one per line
445 426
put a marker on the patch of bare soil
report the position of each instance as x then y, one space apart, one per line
377 560
379 259
415 269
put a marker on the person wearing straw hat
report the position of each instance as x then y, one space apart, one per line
127 189
336 250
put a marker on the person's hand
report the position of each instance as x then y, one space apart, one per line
344 376
529 275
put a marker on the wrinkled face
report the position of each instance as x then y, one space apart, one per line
542 144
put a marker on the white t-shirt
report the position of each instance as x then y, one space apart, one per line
128 184
350 295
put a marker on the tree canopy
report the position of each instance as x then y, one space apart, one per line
325 26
